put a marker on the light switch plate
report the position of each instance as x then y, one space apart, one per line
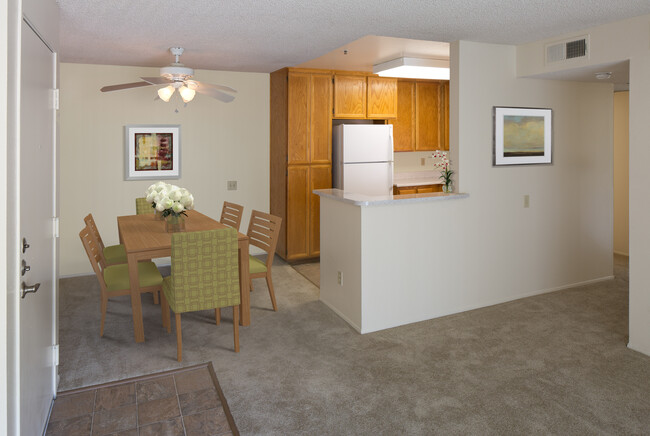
232 185
526 201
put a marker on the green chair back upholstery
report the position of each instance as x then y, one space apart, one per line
205 271
143 207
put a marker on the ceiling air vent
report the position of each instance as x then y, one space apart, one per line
565 50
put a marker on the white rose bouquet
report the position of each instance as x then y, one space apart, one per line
169 199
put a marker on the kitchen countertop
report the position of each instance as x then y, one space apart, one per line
382 200
416 178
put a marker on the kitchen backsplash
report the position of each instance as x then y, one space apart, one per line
412 161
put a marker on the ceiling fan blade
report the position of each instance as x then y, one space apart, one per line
196 85
215 93
124 86
156 80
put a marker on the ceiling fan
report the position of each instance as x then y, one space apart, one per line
178 76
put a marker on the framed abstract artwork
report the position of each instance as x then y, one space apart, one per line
152 152
522 136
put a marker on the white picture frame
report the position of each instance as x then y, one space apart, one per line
522 136
152 152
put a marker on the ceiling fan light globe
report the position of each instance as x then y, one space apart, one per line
187 94
166 93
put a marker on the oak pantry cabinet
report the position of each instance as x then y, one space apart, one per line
301 156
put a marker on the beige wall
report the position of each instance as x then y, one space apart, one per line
565 236
219 142
620 41
456 255
411 161
621 172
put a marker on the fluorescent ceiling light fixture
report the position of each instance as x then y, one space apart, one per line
414 68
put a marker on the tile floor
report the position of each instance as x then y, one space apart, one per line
183 402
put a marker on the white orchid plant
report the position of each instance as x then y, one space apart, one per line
169 199
441 161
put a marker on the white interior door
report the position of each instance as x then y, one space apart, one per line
36 322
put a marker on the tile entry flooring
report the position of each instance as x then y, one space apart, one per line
184 402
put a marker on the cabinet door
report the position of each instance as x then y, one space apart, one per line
320 177
427 116
297 211
349 96
407 190
445 115
298 132
320 132
382 97
429 188
404 124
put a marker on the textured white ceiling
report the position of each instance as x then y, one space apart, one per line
265 35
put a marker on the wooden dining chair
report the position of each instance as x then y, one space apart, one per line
263 232
231 214
114 279
205 275
113 254
143 207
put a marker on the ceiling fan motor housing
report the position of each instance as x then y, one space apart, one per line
176 73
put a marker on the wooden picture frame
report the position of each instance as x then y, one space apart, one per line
522 136
152 152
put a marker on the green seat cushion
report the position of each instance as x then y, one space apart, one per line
117 276
255 265
115 254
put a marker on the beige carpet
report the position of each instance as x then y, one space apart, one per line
551 364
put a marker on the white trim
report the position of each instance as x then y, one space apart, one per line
345 318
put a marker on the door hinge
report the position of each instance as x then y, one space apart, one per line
55 226
55 354
55 99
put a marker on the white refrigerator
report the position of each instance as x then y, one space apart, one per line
362 158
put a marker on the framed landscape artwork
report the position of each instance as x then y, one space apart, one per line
522 136
152 152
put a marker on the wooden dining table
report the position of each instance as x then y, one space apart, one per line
144 238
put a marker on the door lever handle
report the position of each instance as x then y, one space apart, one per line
24 289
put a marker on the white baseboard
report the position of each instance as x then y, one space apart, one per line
641 350
345 318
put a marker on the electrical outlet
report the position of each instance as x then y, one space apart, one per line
340 278
526 201
232 185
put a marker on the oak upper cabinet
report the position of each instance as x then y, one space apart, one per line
444 89
382 97
350 96
404 124
422 122
364 97
427 116
301 150
310 131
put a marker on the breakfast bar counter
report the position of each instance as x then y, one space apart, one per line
384 259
